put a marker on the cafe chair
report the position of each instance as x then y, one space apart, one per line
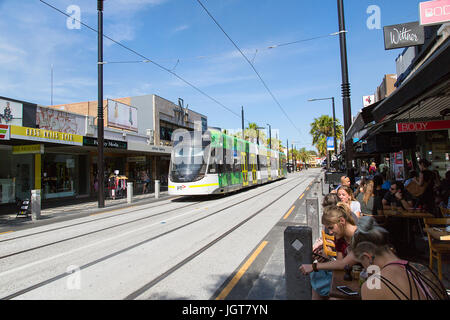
437 248
328 246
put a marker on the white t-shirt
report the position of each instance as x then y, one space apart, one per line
355 206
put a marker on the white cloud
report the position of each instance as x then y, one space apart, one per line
181 28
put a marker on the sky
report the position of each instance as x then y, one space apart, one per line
181 37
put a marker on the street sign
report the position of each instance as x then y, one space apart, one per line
403 35
330 143
434 12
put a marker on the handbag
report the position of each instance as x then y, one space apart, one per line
415 189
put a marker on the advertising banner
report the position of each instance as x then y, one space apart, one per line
330 143
122 116
399 171
11 112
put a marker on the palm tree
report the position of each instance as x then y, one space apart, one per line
322 128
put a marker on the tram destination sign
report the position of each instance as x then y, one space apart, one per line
113 144
403 35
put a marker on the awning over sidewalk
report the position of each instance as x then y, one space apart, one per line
427 83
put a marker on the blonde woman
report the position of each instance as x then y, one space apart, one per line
342 225
346 196
366 199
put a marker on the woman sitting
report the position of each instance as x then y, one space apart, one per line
341 224
346 195
393 278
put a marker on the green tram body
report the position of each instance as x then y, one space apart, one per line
248 165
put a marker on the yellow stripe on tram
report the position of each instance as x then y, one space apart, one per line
204 185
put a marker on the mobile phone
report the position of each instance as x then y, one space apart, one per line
347 290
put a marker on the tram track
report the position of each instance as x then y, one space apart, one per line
177 266
102 229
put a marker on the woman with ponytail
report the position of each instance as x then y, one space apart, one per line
340 223
393 278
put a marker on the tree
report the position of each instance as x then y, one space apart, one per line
322 128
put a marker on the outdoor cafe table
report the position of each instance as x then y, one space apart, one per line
406 214
338 280
438 234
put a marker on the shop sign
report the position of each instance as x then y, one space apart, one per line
28 149
403 35
434 12
45 135
89 141
4 132
422 126
136 159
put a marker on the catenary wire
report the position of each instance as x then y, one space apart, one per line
148 60
251 65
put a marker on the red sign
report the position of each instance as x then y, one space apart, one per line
434 12
422 126
4 132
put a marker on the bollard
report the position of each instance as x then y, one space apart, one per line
129 192
35 204
297 251
156 189
312 217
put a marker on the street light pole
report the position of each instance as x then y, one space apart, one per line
100 129
346 104
334 121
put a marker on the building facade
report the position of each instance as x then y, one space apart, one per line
54 148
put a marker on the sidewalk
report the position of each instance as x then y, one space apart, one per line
72 211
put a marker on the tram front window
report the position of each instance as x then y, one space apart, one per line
188 163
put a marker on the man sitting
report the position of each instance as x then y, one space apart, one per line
397 196
345 181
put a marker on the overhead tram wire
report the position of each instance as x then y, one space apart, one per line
251 65
147 60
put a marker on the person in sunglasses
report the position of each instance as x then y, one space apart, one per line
398 196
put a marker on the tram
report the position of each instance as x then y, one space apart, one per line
212 162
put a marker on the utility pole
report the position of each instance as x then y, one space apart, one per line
287 146
242 112
346 104
100 129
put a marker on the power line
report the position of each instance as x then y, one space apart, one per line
146 60
251 65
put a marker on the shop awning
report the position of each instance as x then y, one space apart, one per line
421 86
362 119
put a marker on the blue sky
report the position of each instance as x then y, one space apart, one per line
179 35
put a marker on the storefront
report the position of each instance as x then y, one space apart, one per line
28 163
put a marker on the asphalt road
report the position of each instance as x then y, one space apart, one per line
171 249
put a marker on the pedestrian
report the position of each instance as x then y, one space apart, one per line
146 179
394 278
372 168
